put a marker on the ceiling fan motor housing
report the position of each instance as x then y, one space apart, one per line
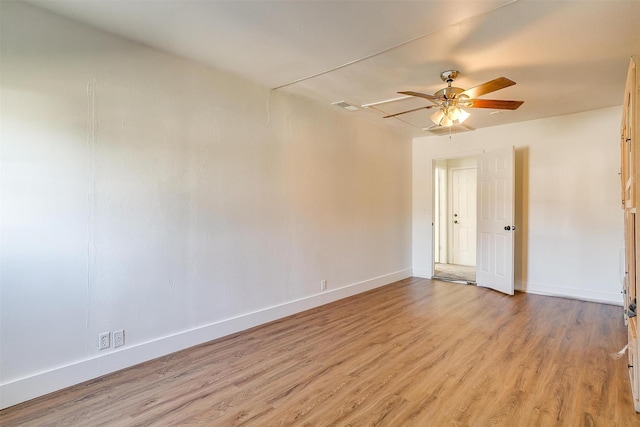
448 93
452 96
449 76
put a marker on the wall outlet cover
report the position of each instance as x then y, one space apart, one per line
104 341
118 338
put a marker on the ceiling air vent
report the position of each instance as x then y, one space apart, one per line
345 105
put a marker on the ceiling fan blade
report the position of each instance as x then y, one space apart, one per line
496 104
431 98
409 111
488 87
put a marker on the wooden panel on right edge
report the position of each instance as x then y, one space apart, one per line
630 161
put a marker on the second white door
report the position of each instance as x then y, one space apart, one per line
463 216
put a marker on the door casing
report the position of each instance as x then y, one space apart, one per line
475 155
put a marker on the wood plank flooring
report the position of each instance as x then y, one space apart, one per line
415 353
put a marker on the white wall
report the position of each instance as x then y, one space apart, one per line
568 211
144 192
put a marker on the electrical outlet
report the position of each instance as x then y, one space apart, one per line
104 341
323 285
118 338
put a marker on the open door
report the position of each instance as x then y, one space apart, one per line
495 220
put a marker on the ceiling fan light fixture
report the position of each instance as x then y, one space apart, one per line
441 118
450 116
437 117
462 115
446 122
464 101
453 114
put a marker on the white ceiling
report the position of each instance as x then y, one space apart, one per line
566 56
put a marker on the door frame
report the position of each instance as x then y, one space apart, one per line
473 154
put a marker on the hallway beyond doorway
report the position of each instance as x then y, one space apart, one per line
464 273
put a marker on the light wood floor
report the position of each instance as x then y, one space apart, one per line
414 353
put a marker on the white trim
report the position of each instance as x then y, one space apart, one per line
27 388
386 101
422 273
614 298
460 155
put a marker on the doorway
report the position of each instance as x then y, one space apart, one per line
455 195
495 218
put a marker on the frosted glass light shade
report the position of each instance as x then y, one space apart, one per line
463 115
453 114
437 117
449 117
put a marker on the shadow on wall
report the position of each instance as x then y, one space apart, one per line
521 217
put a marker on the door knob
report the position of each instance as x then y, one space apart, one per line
507 228
455 222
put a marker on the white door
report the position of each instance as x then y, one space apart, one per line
496 220
463 216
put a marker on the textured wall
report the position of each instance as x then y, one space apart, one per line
144 192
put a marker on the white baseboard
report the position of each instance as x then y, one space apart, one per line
55 379
422 273
614 298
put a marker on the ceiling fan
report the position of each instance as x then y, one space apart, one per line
450 99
